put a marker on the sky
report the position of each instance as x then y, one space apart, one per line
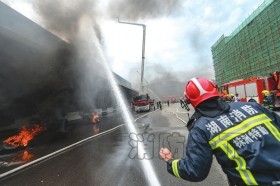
179 34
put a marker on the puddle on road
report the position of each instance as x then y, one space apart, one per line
16 158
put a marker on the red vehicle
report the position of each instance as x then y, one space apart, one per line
142 103
250 90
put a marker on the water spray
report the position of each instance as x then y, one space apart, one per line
146 164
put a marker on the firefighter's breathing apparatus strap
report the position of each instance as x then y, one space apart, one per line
192 120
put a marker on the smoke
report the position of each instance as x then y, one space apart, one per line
160 81
63 17
77 23
203 68
164 81
173 83
73 21
56 73
142 9
196 39
202 55
157 73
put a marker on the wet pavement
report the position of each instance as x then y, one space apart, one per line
111 158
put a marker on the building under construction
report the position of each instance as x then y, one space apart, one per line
252 49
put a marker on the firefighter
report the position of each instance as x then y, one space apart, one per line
159 104
231 96
182 102
236 98
267 99
227 98
244 137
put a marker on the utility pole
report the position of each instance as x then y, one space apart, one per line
143 52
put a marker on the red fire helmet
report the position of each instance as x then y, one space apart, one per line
200 89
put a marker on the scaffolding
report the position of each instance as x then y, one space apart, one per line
252 49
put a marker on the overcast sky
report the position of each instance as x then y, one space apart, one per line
179 34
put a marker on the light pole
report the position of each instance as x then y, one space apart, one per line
143 51
143 79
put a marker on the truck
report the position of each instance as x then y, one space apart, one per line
250 89
142 102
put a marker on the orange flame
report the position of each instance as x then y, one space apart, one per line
95 118
24 136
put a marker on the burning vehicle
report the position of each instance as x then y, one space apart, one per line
48 88
26 134
95 119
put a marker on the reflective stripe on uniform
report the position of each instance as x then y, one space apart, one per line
222 141
175 168
245 174
243 127
274 131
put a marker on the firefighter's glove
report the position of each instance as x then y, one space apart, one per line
165 154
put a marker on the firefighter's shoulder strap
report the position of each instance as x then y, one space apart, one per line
196 115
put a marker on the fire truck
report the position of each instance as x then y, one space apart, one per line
250 90
142 102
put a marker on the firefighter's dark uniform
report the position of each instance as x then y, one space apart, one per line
268 102
245 141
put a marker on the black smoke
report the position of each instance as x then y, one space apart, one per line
64 18
51 74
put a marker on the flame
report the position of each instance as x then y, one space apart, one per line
95 118
24 136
